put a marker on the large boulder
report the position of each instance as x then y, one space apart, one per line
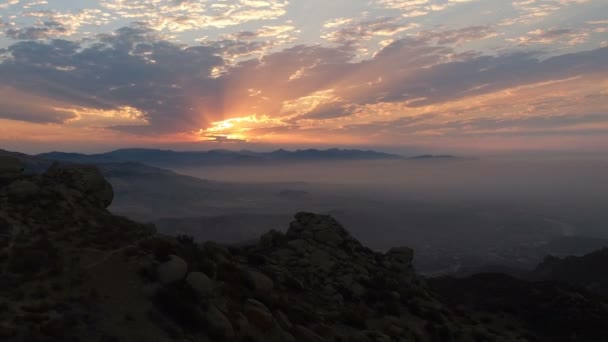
258 281
85 179
219 326
303 334
200 283
259 315
173 270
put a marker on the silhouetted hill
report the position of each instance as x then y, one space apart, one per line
588 271
550 311
215 157
430 156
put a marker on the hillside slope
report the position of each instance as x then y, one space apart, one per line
71 271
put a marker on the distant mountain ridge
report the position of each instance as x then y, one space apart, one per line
157 157
193 158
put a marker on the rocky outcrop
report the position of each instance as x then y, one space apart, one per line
71 271
83 180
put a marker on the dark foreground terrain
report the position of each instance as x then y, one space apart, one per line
72 271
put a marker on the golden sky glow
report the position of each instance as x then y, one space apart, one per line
438 74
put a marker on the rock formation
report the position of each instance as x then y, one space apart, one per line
71 271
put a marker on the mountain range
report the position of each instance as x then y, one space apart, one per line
166 158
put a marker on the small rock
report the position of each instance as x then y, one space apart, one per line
173 270
200 283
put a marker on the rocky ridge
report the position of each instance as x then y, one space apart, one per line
72 271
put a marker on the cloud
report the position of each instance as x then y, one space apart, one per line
456 37
243 44
416 8
9 3
46 30
352 33
186 15
168 82
172 87
535 10
553 36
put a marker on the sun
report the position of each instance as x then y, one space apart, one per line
238 128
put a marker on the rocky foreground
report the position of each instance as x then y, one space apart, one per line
72 271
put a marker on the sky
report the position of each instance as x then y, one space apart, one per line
439 75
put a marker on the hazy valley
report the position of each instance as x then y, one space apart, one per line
459 214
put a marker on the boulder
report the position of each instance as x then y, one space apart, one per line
173 270
400 258
286 337
283 320
258 281
303 334
200 283
259 315
218 325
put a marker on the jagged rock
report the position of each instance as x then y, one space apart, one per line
200 283
258 315
323 229
173 270
85 179
258 281
404 255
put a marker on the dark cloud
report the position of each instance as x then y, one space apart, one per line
170 83
36 113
